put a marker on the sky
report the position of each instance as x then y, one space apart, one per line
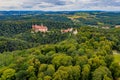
60 5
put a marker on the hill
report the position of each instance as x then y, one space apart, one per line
56 55
88 55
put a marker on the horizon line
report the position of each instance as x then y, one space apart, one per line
64 10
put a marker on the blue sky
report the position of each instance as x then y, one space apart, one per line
60 5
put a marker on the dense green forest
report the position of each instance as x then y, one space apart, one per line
87 55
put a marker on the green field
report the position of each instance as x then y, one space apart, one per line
116 56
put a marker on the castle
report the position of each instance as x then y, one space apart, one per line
41 28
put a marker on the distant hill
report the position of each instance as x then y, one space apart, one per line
43 12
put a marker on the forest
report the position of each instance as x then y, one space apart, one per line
91 54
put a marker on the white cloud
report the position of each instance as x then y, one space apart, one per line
60 5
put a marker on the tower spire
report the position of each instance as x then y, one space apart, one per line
41 24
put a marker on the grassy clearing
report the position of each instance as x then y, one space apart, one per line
116 56
75 17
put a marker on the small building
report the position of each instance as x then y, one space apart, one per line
117 26
75 32
67 30
41 28
105 27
